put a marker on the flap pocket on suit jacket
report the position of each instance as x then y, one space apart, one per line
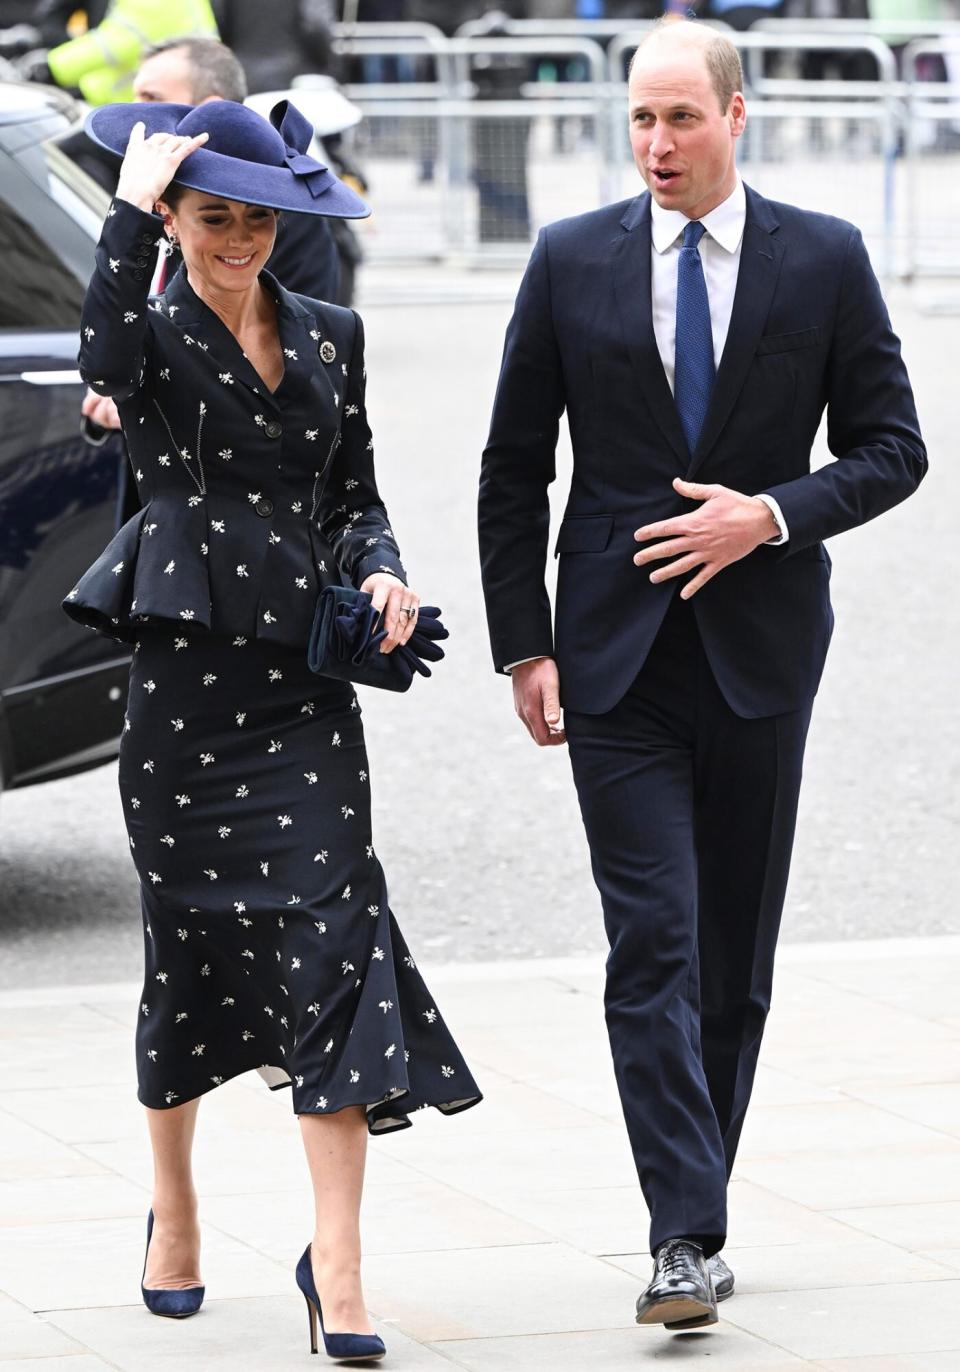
584 534
786 342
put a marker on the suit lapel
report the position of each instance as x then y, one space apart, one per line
299 347
631 279
761 256
307 350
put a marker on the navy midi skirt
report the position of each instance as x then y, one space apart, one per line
269 940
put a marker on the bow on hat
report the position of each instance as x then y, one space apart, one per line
297 132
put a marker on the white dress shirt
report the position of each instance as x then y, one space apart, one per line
720 254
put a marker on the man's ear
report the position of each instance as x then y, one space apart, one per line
738 114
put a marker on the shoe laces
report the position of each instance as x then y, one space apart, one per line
675 1255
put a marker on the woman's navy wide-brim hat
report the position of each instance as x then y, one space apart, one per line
246 157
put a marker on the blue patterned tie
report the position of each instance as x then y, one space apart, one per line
694 371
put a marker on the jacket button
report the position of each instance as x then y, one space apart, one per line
147 238
274 429
264 508
143 261
138 275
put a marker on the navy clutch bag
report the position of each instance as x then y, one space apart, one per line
347 633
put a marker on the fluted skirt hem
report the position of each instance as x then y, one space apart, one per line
269 941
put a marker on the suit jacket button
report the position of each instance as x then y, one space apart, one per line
274 429
138 275
147 238
264 508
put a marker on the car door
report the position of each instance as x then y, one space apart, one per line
62 687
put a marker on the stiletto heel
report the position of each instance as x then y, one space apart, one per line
175 1305
312 1319
339 1347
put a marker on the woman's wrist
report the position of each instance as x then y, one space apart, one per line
139 201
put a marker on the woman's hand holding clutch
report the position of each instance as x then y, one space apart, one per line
398 605
348 634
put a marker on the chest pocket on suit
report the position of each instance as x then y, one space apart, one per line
788 342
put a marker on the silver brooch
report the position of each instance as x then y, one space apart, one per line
327 351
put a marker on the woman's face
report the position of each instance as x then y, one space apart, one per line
224 242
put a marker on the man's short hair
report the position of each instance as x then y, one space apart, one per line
214 68
721 56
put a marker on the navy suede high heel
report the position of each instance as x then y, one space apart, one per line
175 1305
340 1347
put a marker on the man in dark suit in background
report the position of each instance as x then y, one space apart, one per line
694 336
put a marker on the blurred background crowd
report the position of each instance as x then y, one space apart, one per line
467 127
96 47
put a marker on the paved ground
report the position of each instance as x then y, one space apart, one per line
513 1236
479 831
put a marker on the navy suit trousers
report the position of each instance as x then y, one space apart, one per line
689 811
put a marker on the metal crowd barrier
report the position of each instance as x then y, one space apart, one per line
932 164
887 30
464 173
482 141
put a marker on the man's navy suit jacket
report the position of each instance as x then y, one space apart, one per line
809 329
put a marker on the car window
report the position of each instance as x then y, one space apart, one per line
84 201
50 218
37 289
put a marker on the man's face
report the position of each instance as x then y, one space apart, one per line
165 77
682 144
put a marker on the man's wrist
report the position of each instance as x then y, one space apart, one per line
766 523
510 667
782 533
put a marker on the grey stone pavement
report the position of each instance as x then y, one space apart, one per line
512 1236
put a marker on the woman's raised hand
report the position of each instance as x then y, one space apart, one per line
150 164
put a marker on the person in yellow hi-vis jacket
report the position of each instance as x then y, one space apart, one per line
102 62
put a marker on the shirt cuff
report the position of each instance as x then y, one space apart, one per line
778 519
509 666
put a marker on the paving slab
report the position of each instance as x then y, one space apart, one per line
255 1335
934 1104
84 1263
535 1289
855 1321
513 1236
415 1216
80 1362
903 1362
830 1180
933 1224
23 1335
621 1350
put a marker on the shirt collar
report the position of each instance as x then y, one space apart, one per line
724 224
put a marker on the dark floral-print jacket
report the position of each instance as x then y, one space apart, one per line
252 501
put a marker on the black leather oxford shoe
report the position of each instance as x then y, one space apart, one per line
680 1294
723 1282
721 1276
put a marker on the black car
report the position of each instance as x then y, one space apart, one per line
62 688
